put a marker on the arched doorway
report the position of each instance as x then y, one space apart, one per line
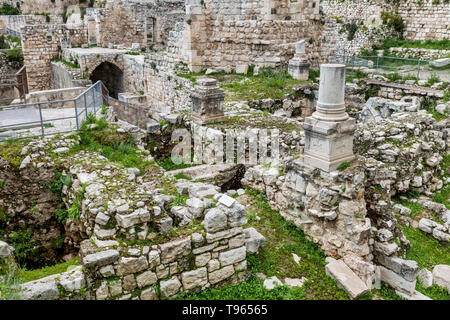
111 76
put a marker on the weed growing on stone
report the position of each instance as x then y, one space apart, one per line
435 292
97 136
30 275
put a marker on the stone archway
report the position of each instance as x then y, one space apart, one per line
111 76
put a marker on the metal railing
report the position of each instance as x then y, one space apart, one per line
383 64
72 111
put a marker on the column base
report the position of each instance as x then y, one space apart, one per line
204 119
328 144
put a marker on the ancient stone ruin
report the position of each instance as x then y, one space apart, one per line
175 149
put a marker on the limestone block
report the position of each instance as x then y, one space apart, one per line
173 250
346 278
253 240
441 276
41 289
221 274
194 278
170 287
396 281
131 265
232 256
101 258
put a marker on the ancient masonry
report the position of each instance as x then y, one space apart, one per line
160 234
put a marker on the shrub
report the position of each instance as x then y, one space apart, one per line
434 78
394 21
15 56
9 10
3 43
351 29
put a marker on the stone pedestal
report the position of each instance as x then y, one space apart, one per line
329 131
299 66
207 101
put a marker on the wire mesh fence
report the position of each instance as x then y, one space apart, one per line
417 68
51 117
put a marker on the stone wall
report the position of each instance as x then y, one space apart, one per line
422 21
133 77
419 53
139 22
425 21
41 43
135 244
65 77
231 33
13 24
56 8
137 115
165 90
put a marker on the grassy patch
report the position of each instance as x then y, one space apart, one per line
387 293
414 207
443 196
169 165
73 65
343 166
435 292
30 275
97 136
267 84
426 250
10 150
430 106
427 44
181 175
253 289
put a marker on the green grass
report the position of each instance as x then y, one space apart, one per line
269 83
343 166
414 207
67 63
443 196
182 176
427 44
252 289
30 275
169 165
435 292
117 147
387 293
426 250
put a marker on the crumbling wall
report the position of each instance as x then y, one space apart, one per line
41 43
165 90
65 77
28 205
56 7
139 22
13 24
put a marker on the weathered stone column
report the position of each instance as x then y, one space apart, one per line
299 66
329 131
207 101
